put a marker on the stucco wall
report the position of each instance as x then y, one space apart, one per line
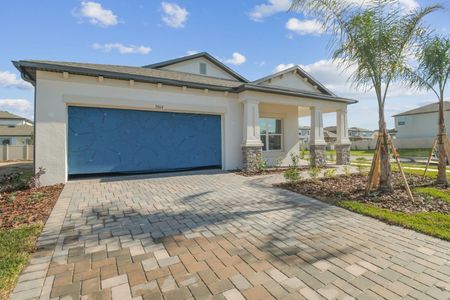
419 130
54 94
292 81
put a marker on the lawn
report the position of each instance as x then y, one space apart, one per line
15 247
434 193
432 223
24 208
402 152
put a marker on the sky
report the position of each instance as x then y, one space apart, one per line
254 37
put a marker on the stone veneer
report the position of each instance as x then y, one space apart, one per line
250 157
318 155
342 154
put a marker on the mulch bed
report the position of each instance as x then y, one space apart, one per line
28 206
352 187
270 171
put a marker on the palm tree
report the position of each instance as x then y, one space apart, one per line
432 74
375 38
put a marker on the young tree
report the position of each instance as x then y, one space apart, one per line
374 37
433 73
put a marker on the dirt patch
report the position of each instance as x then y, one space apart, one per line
28 206
352 187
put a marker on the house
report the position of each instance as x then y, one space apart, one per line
418 127
186 113
15 130
361 138
305 131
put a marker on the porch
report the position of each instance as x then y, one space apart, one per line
271 129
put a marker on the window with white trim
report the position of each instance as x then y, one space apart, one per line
271 134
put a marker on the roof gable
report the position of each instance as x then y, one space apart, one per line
429 108
294 78
190 64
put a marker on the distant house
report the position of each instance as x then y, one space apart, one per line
15 130
360 138
304 136
418 127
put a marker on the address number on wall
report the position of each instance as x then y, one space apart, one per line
157 106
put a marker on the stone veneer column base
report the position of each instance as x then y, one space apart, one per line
318 155
342 154
250 157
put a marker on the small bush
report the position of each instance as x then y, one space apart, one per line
314 172
277 163
35 180
12 182
331 157
329 173
302 154
292 174
347 170
295 159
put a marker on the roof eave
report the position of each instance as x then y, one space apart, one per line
258 88
23 65
194 56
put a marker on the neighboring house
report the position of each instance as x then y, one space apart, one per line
187 113
305 131
361 138
15 130
418 127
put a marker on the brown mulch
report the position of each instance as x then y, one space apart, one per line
28 206
352 187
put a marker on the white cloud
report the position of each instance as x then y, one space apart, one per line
191 52
236 59
313 27
282 67
122 49
96 14
259 12
174 15
8 79
20 107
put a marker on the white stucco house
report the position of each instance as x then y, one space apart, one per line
187 113
417 128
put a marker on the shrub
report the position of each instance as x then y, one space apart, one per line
346 170
295 159
35 180
331 157
12 182
261 164
329 173
302 154
292 174
314 172
277 163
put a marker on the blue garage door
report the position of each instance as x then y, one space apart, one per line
103 140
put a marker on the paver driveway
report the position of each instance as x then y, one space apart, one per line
223 236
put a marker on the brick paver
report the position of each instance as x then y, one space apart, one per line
219 235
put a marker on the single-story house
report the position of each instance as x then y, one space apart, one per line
15 130
185 113
418 127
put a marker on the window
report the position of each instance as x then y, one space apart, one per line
401 121
6 142
203 68
271 134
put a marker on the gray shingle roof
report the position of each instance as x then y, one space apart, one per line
28 69
430 108
8 115
21 130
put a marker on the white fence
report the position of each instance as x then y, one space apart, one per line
11 153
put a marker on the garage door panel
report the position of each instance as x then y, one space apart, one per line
103 140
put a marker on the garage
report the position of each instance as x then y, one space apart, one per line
108 140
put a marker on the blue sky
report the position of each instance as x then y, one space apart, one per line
253 37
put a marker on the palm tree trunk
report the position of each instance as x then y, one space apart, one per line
385 169
442 174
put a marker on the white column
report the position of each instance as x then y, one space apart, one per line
342 127
251 133
317 137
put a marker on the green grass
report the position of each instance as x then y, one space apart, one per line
434 224
434 192
15 248
414 152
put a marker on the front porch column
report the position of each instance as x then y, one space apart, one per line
251 144
343 142
317 144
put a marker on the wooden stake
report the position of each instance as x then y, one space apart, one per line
429 156
397 158
374 168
